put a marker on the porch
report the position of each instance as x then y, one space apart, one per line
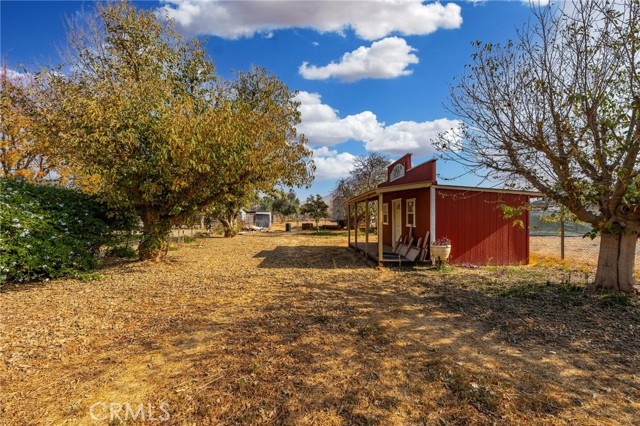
372 251
376 242
410 210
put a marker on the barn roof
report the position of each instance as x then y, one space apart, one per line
401 176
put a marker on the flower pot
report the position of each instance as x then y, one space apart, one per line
440 252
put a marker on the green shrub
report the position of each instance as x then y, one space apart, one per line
124 252
49 231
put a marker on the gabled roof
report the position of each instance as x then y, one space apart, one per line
420 176
425 172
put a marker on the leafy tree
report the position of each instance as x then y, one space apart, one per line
285 204
141 110
25 151
265 201
316 208
226 210
559 110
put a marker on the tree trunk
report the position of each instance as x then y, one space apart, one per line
229 225
155 233
616 262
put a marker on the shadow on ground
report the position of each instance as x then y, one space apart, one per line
309 257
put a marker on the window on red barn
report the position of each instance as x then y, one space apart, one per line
411 212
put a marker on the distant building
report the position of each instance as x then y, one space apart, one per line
261 219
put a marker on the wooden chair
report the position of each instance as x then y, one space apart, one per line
414 251
406 247
395 244
399 245
425 248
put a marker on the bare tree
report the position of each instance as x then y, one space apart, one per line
367 173
558 110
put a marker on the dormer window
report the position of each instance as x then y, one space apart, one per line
397 172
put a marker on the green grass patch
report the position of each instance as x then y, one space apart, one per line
327 234
89 276
614 298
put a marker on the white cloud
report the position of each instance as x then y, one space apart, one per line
330 165
534 3
323 151
409 136
321 124
323 127
387 58
371 20
16 77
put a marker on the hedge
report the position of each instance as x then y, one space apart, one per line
49 231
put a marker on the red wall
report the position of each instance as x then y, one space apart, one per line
472 220
425 172
422 214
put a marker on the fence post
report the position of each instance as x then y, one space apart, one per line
562 236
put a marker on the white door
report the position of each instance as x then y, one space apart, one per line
396 219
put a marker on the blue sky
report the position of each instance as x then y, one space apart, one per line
372 75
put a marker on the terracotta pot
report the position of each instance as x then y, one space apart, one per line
440 252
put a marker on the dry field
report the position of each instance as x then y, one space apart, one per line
580 253
275 329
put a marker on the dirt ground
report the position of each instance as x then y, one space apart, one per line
275 329
580 253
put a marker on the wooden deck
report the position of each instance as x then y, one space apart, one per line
389 255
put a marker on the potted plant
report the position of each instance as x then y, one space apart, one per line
441 249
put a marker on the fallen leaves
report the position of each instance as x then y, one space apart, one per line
297 329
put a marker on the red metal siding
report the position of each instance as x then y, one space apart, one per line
422 213
425 172
472 220
386 229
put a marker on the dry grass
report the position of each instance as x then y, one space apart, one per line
275 329
580 253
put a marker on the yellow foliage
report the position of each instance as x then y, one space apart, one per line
25 150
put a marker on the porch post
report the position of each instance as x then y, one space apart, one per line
380 228
355 220
366 229
432 216
349 225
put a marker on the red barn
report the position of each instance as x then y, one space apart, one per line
412 205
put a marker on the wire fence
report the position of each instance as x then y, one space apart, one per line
565 241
